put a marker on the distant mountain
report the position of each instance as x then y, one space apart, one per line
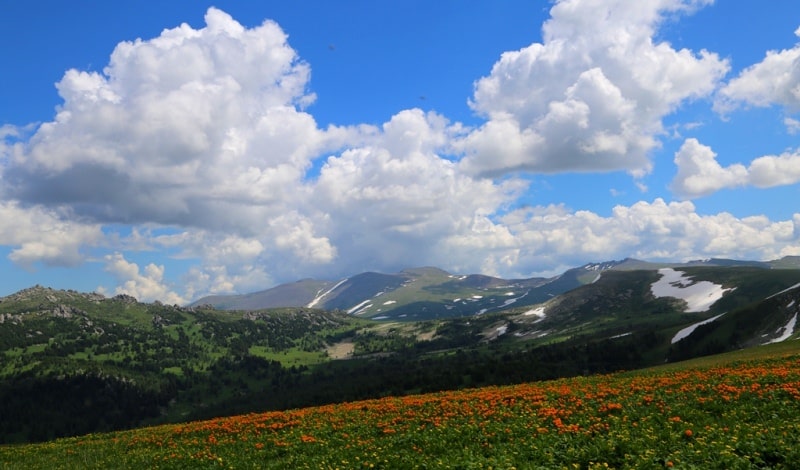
691 309
634 264
787 262
295 294
412 294
429 292
727 262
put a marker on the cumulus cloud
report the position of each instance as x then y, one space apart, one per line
699 173
774 80
775 170
591 96
228 263
389 203
146 285
41 235
553 238
199 128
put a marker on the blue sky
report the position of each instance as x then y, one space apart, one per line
170 150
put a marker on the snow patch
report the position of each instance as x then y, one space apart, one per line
539 312
698 295
690 329
622 335
501 330
785 290
363 305
390 302
786 331
535 333
322 296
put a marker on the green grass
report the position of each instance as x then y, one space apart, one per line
176 371
730 411
290 357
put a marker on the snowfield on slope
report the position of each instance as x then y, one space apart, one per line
360 307
698 295
322 295
785 331
690 329
538 311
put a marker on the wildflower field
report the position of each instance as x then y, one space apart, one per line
735 411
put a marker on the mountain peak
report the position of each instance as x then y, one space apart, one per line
602 266
48 294
425 271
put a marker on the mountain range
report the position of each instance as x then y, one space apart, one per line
428 292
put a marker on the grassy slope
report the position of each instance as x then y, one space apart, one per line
737 410
424 296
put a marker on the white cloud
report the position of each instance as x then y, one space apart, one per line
699 173
296 235
218 279
195 128
792 125
392 202
146 286
228 263
41 235
591 97
553 238
775 170
774 80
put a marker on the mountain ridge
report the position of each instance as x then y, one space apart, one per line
430 292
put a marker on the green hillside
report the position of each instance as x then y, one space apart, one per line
728 411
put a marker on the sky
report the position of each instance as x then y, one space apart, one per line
171 150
